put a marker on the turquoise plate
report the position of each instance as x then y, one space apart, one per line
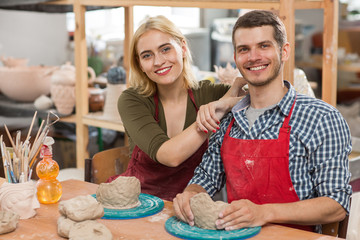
149 205
183 230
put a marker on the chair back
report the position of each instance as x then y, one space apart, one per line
106 163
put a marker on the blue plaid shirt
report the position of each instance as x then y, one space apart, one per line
320 143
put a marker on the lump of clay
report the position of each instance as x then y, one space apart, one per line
89 230
64 225
8 221
205 210
122 193
81 208
19 198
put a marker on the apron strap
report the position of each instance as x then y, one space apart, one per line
191 95
229 127
156 100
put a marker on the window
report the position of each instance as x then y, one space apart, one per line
109 23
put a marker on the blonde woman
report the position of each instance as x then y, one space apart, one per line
159 109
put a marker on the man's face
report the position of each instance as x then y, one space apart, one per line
258 56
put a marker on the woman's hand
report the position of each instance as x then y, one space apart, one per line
209 115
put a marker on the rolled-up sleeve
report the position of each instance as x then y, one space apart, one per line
330 160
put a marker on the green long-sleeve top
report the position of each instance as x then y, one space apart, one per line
137 114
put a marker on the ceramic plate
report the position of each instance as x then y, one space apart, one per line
149 205
183 230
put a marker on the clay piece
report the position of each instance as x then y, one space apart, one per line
81 208
19 198
205 210
89 230
122 193
64 225
8 221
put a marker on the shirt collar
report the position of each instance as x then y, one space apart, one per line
284 105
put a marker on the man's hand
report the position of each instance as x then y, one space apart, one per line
182 208
240 214
181 203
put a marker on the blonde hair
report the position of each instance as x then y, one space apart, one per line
137 78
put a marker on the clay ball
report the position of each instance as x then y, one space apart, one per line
81 208
89 230
121 193
205 210
64 225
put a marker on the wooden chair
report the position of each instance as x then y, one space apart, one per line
336 229
106 163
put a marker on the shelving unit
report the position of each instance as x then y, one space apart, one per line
285 9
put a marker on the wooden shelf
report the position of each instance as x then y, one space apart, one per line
69 119
97 120
284 8
316 62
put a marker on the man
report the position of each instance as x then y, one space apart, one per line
283 155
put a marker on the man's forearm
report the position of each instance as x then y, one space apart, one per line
314 211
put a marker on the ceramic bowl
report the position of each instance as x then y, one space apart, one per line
14 62
25 84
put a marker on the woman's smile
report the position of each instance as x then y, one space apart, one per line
163 71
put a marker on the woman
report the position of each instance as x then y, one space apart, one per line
159 109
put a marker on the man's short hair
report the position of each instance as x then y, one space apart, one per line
259 18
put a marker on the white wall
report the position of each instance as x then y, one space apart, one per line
40 37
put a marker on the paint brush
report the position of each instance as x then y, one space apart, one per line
10 138
10 166
3 156
31 125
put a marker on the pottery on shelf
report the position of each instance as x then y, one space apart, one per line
25 84
116 84
14 62
228 74
63 88
113 91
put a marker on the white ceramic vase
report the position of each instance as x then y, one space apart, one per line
113 92
63 88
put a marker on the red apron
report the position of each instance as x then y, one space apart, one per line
258 170
157 179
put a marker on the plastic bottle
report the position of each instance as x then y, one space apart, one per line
49 189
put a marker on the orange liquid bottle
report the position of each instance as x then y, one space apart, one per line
49 189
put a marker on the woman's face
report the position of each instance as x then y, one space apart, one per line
161 57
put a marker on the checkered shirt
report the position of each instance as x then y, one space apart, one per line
320 143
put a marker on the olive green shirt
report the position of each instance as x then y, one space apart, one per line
137 114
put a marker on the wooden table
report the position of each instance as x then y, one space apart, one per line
44 224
